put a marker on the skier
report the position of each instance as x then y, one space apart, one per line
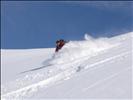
59 44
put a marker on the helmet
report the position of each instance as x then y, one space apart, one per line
57 41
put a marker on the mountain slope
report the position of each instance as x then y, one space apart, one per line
93 68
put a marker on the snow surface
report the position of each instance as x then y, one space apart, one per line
90 69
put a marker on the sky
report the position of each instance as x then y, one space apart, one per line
38 24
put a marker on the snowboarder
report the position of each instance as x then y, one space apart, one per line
59 44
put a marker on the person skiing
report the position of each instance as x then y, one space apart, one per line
59 44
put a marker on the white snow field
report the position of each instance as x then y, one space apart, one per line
98 68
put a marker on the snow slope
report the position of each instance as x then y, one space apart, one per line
93 68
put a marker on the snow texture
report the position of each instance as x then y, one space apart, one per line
90 69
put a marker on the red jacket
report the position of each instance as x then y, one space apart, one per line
59 45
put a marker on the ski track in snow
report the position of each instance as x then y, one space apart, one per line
107 59
61 76
109 77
